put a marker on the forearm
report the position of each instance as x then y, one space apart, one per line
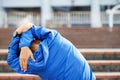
43 33
13 50
13 56
24 28
26 39
14 46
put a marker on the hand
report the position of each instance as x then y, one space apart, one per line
24 28
25 54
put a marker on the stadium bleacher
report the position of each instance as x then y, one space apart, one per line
99 46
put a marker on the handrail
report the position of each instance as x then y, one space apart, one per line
111 13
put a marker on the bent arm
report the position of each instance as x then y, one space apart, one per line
13 54
37 32
13 58
13 49
43 33
41 55
26 39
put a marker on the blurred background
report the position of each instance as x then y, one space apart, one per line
58 13
93 26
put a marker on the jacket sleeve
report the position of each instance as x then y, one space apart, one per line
26 39
41 55
13 58
46 36
43 33
13 55
38 32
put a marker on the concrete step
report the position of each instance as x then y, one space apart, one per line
96 65
83 51
99 59
91 62
107 75
16 76
103 62
94 54
80 37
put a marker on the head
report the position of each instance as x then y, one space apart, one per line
34 45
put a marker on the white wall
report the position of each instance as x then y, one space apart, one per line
2 15
81 2
21 3
37 3
108 2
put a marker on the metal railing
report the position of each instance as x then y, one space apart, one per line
15 18
60 19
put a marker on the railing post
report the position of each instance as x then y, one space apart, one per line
2 16
46 12
111 13
95 14
68 19
6 21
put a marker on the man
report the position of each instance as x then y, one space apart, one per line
55 59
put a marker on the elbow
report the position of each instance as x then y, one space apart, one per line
9 59
9 62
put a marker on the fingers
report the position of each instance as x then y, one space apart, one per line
32 57
25 54
23 64
24 27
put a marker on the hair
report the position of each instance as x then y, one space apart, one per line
34 45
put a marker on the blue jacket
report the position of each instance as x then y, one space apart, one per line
56 58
